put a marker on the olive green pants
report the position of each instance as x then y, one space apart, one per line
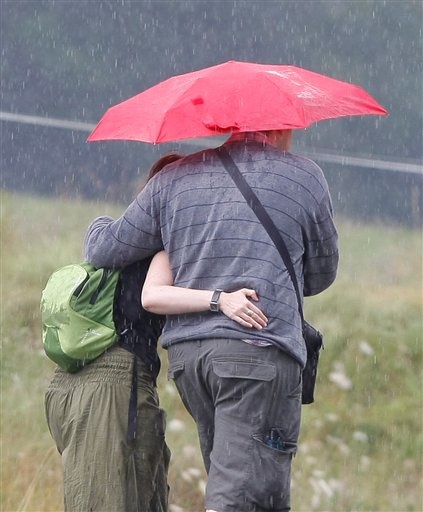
87 414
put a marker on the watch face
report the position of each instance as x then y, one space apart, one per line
214 303
214 306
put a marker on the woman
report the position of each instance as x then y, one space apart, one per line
106 419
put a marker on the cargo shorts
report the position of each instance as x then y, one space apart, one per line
246 402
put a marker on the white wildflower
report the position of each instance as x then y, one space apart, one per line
311 460
186 476
325 487
170 389
360 436
365 462
176 425
366 348
315 500
194 472
175 508
341 380
343 447
332 417
189 451
202 486
336 485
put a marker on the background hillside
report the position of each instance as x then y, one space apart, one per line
72 60
360 442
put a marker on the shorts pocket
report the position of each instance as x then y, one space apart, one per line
175 369
244 389
270 473
244 370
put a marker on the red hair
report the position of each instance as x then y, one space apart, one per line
158 166
162 162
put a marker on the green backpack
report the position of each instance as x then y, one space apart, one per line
77 314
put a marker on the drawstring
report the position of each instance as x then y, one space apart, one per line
133 399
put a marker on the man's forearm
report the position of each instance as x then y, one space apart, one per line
110 244
94 241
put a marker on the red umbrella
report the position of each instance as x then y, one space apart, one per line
233 97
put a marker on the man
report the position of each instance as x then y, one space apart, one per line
243 389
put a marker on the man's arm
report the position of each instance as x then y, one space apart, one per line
321 250
134 236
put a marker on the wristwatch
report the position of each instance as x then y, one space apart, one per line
214 302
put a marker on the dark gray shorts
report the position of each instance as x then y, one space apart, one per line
237 393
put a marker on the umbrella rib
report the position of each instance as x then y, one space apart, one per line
294 106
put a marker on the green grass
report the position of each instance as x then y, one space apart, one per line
360 442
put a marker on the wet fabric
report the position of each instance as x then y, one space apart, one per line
193 209
87 414
246 402
138 329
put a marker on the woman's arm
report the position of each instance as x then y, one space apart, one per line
159 295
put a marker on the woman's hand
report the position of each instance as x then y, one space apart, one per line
159 295
238 306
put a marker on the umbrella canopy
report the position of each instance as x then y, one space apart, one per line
233 97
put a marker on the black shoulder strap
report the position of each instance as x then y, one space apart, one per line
262 215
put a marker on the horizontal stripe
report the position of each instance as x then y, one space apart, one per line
214 240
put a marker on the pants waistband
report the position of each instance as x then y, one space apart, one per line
114 366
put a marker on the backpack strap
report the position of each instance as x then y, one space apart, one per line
133 401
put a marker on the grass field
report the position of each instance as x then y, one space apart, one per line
361 442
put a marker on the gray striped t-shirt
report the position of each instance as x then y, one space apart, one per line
195 212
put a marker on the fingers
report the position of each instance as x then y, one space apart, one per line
249 319
238 307
252 294
254 316
255 313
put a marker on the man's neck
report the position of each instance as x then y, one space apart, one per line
250 137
